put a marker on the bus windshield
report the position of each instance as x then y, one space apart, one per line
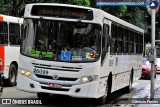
61 41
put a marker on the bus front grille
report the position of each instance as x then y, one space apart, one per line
57 68
54 89
60 78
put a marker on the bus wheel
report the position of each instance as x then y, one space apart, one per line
129 87
1 85
12 75
43 97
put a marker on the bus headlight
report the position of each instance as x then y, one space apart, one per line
22 72
25 73
28 73
87 79
84 79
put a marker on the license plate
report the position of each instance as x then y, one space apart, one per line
54 85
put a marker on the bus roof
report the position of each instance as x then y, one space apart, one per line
12 19
96 13
121 22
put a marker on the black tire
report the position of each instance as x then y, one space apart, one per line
44 97
129 87
12 75
1 84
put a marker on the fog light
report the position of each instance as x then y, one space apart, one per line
22 72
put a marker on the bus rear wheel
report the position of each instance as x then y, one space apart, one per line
12 75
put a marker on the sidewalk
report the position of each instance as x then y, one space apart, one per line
139 97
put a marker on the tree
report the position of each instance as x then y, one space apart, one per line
16 7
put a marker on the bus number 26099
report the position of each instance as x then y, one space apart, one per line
40 71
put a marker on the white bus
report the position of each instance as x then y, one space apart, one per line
10 46
68 50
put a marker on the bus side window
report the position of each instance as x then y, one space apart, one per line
14 34
105 37
3 33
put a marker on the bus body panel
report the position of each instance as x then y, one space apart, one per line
98 15
11 19
9 53
119 65
2 57
90 69
88 90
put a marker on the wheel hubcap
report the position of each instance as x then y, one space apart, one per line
12 75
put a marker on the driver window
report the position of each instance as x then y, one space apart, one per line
104 41
105 36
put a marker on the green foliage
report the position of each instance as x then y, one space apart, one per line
80 2
5 7
74 2
134 15
16 7
117 11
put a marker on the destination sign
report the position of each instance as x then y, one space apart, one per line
62 12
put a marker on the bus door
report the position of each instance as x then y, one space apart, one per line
105 46
105 57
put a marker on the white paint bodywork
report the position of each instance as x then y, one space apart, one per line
121 71
11 52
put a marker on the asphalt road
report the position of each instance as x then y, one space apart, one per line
141 89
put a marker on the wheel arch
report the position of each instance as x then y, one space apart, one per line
132 74
14 63
109 81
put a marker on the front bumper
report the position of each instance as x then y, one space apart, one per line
88 90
